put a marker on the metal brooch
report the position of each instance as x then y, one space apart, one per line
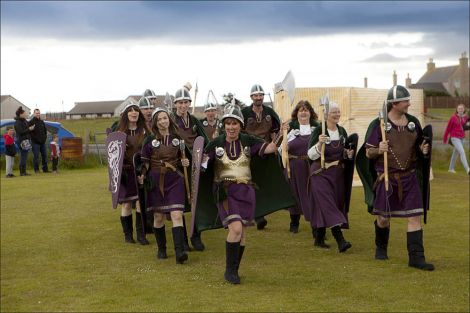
205 123
155 143
247 151
388 127
328 140
411 126
175 142
219 151
268 118
296 132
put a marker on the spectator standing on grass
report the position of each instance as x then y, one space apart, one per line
38 138
55 153
23 133
10 151
455 135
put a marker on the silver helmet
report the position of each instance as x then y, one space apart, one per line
182 94
131 102
232 110
158 110
148 93
256 90
144 103
397 94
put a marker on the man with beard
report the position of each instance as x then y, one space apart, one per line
260 120
211 123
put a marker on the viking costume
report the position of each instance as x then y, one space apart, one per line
262 126
188 129
297 144
405 194
329 190
236 188
165 186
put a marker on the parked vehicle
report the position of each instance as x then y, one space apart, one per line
52 128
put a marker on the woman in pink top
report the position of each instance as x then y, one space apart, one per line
455 131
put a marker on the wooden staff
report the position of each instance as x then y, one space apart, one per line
285 154
384 139
323 127
185 169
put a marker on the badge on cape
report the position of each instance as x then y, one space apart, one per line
388 127
220 125
155 143
296 132
247 151
328 140
268 118
219 151
205 123
411 126
312 128
175 142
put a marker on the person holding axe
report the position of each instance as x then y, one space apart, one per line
391 164
164 162
189 127
260 120
328 186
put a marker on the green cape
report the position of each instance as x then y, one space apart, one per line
273 191
317 132
246 111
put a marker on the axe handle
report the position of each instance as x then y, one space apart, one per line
384 138
186 181
285 154
322 159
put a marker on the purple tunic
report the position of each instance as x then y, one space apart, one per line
173 196
327 189
241 199
389 205
186 131
298 161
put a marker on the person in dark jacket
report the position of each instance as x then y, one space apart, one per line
38 139
22 130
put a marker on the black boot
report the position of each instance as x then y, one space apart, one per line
178 240
416 251
197 242
160 238
294 223
139 229
314 232
185 241
231 255
343 245
240 255
261 222
126 222
381 242
320 238
149 223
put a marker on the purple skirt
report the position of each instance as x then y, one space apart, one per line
174 193
128 187
411 203
327 196
239 205
298 183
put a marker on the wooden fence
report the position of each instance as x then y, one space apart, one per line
445 102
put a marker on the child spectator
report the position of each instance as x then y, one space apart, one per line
55 152
10 151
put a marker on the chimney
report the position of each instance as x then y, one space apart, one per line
365 82
394 78
431 65
408 81
463 60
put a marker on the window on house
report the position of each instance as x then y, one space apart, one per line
457 83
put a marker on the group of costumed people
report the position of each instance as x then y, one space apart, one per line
241 179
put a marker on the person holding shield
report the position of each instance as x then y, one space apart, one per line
390 164
328 187
163 162
132 122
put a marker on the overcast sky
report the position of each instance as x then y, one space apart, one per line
65 52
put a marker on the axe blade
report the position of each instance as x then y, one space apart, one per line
288 84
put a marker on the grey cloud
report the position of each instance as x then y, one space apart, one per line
384 58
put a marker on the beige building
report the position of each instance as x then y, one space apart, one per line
93 109
451 79
9 105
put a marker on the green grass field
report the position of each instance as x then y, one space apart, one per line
62 250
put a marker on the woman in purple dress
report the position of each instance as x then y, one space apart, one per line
234 191
163 162
304 121
327 184
132 123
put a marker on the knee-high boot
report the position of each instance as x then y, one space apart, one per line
160 238
416 251
294 223
231 255
240 256
178 240
126 222
139 229
343 245
185 238
381 241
